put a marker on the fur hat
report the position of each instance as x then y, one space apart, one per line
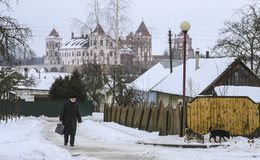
73 96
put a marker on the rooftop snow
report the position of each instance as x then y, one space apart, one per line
45 81
251 92
209 69
153 76
75 43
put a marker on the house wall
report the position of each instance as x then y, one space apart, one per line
168 99
28 94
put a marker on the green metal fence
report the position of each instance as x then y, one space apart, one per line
51 108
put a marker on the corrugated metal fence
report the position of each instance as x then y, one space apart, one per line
12 107
238 115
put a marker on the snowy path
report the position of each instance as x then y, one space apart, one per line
87 146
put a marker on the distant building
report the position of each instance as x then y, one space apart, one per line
178 47
53 44
100 48
74 51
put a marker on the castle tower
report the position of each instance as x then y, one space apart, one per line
53 43
142 44
178 47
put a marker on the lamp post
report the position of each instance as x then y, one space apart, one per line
185 27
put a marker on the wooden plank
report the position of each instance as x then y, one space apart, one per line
170 124
113 114
163 122
118 113
153 119
137 116
130 116
123 115
145 119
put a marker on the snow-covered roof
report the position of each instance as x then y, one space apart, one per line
196 80
75 43
251 92
125 50
45 81
153 76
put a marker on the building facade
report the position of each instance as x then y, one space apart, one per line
53 44
100 48
178 47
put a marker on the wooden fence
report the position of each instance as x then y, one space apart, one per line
238 115
166 120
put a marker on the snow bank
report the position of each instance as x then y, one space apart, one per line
21 139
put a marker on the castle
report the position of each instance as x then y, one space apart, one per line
100 48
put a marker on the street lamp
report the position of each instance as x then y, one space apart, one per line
185 27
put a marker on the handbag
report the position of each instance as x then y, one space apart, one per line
60 129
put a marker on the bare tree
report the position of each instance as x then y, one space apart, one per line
192 88
13 47
13 37
240 38
117 20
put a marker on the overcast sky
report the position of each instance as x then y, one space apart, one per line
205 16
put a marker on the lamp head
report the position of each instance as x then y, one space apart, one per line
185 26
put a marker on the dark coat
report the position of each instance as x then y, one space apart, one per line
69 117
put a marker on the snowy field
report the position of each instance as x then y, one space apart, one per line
31 138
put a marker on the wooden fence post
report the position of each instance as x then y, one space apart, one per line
153 119
118 114
145 118
130 116
137 117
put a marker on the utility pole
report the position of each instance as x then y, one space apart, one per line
170 48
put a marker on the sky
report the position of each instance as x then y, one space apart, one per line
205 16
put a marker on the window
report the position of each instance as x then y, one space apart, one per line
91 53
83 54
72 61
46 53
77 61
95 42
102 53
107 42
111 54
111 44
87 54
72 54
56 45
101 42
56 54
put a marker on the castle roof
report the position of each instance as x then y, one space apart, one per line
54 33
142 30
99 30
75 43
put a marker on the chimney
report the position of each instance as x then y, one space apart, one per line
82 36
207 54
72 35
197 60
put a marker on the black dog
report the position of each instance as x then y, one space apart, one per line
219 133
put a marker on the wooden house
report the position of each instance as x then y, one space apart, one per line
202 77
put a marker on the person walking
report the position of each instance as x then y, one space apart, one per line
68 117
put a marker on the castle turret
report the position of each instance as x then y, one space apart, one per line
53 43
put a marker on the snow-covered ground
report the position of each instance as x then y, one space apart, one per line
31 138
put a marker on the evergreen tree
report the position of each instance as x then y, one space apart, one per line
57 89
76 85
62 88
